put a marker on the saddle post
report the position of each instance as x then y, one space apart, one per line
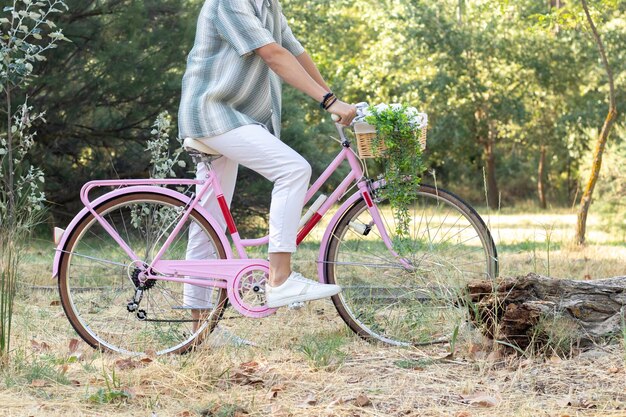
202 158
201 154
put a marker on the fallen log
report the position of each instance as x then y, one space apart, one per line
537 310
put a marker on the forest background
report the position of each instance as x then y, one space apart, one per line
515 98
516 93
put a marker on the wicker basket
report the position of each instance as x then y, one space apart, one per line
366 133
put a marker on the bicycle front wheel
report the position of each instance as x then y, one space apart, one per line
417 297
97 279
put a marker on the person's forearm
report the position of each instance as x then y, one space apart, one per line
283 63
309 66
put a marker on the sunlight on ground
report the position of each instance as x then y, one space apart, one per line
516 228
544 244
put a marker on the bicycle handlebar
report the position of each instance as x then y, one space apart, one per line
360 114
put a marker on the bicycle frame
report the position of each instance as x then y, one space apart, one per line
223 272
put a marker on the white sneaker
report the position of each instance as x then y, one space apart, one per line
297 289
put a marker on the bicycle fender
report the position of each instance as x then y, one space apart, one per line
129 190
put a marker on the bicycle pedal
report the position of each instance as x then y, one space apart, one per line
296 306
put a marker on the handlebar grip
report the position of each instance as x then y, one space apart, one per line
335 118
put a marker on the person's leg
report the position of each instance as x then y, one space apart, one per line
280 268
256 148
198 246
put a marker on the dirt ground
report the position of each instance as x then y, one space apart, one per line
308 363
305 363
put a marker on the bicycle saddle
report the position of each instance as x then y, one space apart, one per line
190 144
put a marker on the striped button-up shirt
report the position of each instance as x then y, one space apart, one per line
226 85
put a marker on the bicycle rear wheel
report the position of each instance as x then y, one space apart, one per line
97 279
419 297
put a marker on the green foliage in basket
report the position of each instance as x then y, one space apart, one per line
399 131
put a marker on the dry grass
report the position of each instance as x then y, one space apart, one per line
307 363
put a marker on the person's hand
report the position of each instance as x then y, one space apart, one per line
343 111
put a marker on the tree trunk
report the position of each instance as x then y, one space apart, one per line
460 12
585 200
541 178
493 194
532 309
557 5
486 135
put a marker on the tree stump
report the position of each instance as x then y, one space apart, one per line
535 310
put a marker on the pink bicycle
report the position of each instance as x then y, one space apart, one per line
121 264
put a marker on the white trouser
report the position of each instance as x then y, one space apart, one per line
255 148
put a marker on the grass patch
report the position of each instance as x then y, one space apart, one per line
529 246
555 335
41 369
44 371
416 364
112 392
223 410
323 351
108 396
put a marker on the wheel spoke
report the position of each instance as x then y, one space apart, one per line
97 280
385 300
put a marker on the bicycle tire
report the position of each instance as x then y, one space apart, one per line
96 279
383 300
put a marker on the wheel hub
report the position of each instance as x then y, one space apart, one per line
149 283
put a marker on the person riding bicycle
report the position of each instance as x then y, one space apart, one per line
231 101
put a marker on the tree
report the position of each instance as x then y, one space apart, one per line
585 201
103 90
502 95
477 84
27 33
